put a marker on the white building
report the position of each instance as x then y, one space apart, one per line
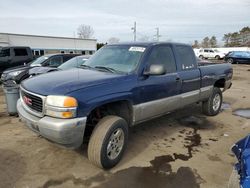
41 45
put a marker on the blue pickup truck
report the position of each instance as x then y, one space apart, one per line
118 87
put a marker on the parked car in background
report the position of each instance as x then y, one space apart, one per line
238 57
72 63
210 54
241 173
17 74
118 87
13 56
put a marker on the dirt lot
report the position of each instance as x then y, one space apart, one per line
182 149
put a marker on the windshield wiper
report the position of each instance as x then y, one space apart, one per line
85 66
107 69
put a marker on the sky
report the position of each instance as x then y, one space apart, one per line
177 20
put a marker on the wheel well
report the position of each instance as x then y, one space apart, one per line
120 108
220 83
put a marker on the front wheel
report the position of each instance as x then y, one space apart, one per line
212 106
108 141
217 57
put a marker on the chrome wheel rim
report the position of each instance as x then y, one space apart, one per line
230 60
115 144
216 102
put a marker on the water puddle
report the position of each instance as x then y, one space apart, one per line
159 175
242 113
225 106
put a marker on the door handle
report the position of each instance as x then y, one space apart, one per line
178 79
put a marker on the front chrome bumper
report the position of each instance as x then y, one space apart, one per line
66 132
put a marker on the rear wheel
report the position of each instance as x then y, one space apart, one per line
230 60
201 56
108 141
212 106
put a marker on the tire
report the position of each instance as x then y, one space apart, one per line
201 56
234 181
212 106
101 138
230 60
217 57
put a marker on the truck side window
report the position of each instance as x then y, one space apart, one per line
55 61
20 52
163 55
186 57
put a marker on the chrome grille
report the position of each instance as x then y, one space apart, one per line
32 101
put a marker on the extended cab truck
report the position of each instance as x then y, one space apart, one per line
118 87
13 56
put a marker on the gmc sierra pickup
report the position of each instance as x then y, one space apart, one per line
118 87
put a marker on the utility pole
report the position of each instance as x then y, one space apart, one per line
134 31
157 34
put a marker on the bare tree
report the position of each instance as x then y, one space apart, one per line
85 31
196 44
113 40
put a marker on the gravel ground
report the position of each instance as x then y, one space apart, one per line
182 149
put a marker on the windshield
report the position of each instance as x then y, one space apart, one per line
72 63
5 53
118 58
39 61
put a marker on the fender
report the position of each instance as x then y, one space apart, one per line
90 105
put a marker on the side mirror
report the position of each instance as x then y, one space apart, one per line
156 69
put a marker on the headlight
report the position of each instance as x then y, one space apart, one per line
15 73
61 106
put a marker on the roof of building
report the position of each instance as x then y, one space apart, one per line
28 35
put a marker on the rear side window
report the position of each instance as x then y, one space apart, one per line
20 52
163 55
185 55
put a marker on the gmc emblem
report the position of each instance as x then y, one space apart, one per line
27 100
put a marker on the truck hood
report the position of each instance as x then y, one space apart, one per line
64 82
41 70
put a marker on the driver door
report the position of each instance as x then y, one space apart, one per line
159 93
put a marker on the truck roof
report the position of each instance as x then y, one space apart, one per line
146 44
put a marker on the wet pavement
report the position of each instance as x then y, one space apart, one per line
242 113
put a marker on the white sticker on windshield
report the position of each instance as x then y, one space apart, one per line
137 49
